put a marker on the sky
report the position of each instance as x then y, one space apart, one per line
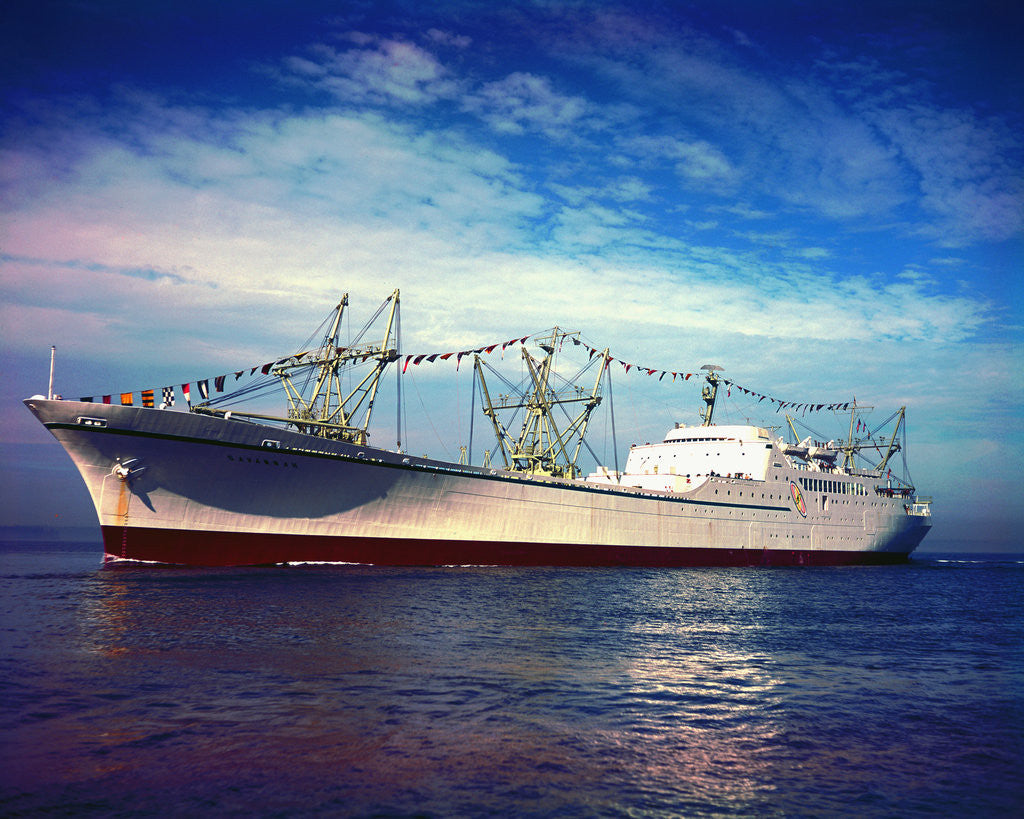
827 202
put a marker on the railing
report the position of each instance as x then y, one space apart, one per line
894 491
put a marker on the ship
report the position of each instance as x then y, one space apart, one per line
219 485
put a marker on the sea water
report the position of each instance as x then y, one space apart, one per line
474 691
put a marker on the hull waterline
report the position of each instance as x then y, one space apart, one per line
249 548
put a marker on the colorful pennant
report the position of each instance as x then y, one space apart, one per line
415 359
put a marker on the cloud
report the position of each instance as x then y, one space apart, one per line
696 162
628 189
742 210
784 137
966 172
619 189
447 38
277 220
947 261
834 163
848 139
842 137
267 213
219 194
374 70
526 102
962 165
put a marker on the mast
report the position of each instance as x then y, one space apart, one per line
329 412
328 375
852 446
542 448
591 405
792 427
504 439
709 394
335 415
893 442
847 451
53 355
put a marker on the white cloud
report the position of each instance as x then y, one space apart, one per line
789 140
743 211
813 253
847 139
375 70
279 221
526 102
448 38
627 189
621 189
696 162
965 172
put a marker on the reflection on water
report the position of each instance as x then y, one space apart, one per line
468 691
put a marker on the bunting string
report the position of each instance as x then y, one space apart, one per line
796 406
202 386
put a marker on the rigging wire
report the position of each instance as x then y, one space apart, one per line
903 452
877 429
818 436
472 417
267 381
426 415
615 444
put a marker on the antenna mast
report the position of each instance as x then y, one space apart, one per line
709 394
53 355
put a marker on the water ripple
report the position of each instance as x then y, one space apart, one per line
346 690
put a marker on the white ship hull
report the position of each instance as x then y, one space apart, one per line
183 488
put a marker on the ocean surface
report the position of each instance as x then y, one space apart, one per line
134 689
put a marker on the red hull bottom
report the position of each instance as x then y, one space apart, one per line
256 549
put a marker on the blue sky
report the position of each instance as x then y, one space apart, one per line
825 201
